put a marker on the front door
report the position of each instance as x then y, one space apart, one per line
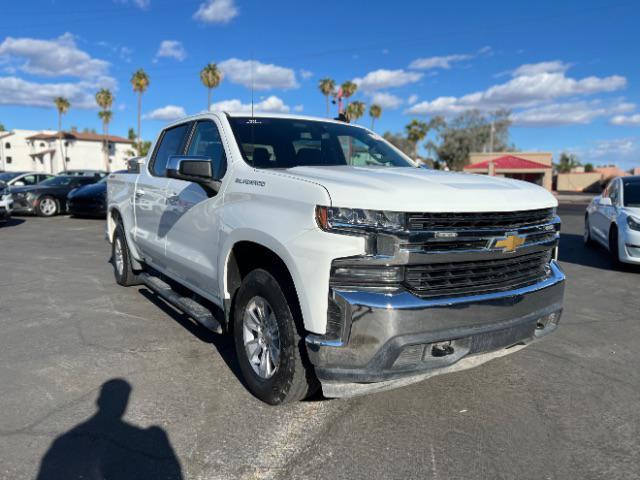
193 239
150 197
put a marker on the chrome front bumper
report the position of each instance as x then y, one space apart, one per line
395 339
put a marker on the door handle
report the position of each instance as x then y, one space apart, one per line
139 193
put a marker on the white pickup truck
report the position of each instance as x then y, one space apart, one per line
331 258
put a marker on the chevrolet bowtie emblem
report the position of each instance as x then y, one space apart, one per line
510 243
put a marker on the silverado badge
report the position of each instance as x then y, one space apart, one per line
510 242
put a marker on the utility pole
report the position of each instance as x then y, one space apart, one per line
491 135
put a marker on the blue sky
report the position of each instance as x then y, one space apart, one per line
569 71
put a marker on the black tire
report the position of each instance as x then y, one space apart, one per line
588 241
46 212
293 379
123 272
613 247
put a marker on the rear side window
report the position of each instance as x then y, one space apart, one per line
206 142
171 143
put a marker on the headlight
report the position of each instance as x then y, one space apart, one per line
634 223
354 219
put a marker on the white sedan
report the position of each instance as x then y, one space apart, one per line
613 219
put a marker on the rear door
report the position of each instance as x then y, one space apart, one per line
193 217
150 196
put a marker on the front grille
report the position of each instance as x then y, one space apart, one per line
482 220
474 277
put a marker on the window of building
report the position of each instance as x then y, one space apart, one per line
7 146
67 159
9 159
42 144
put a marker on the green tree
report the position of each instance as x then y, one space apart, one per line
374 112
104 99
2 128
62 106
210 76
355 110
568 161
588 167
471 132
348 89
400 141
327 87
131 134
417 131
140 82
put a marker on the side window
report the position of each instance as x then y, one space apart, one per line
29 180
206 142
170 144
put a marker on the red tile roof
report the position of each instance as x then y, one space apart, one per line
86 136
508 162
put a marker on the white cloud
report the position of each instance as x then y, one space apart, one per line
271 104
216 11
529 69
59 57
167 114
306 74
380 79
536 85
171 49
627 120
298 108
412 99
16 91
443 62
568 113
263 76
386 100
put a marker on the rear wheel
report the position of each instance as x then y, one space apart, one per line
47 207
121 259
269 347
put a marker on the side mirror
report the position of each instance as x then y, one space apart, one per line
194 169
605 202
133 165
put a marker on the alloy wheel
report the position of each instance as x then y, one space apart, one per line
261 337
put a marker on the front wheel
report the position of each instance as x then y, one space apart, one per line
587 231
47 207
269 347
614 247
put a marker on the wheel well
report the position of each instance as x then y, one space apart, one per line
248 256
612 230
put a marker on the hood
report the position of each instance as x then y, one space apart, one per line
91 190
633 211
424 190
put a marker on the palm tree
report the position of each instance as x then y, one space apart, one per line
355 110
211 77
104 99
416 131
374 112
63 106
348 88
327 86
140 83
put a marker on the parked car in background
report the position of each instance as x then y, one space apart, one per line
85 173
5 202
89 200
48 198
613 220
23 179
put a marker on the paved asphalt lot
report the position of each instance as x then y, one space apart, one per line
565 408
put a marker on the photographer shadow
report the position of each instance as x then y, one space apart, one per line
107 447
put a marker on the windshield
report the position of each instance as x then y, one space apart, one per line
631 193
6 176
288 143
56 182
